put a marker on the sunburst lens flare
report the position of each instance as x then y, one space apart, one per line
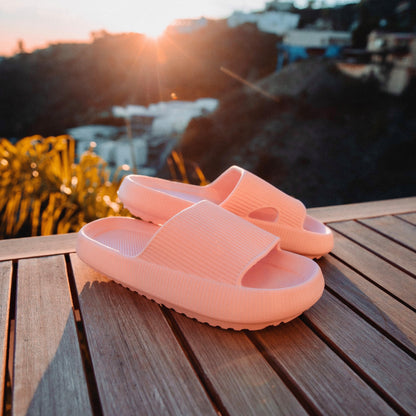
155 34
154 29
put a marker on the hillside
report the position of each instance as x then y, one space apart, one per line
67 85
323 138
327 140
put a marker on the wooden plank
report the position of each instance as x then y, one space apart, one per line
136 357
364 209
411 217
384 274
48 373
394 228
380 362
329 382
5 289
383 246
386 312
20 248
65 243
244 381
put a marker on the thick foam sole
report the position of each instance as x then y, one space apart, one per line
236 326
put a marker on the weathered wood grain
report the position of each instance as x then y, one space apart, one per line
5 288
392 316
394 228
139 366
329 383
383 246
48 372
20 248
364 209
384 274
387 367
352 353
244 381
410 217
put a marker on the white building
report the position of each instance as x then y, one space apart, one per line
171 117
169 120
270 22
117 152
280 6
316 38
187 25
393 61
124 152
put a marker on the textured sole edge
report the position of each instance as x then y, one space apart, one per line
236 326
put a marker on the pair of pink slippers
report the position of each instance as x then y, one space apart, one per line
235 253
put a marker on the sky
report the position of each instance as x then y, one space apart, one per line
40 22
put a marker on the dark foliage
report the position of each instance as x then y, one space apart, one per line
329 139
66 85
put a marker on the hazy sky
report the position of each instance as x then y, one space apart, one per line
39 22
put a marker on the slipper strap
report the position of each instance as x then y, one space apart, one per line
253 193
208 241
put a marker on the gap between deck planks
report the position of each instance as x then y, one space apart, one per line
237 371
311 371
48 373
371 309
383 274
398 255
410 217
394 228
5 293
383 365
394 319
131 342
229 361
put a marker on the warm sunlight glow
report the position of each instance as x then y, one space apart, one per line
151 19
153 28
35 23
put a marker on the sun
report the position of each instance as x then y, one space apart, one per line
153 29
155 21
154 17
150 18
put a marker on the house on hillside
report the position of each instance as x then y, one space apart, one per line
391 59
303 43
111 144
317 39
279 6
270 22
150 133
187 25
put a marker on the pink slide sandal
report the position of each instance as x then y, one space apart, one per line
206 263
238 191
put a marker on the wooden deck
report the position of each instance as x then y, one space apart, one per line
74 343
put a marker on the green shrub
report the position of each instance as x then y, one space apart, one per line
43 191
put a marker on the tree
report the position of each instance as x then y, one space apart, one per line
21 46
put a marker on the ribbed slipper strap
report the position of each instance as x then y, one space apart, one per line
207 241
253 193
